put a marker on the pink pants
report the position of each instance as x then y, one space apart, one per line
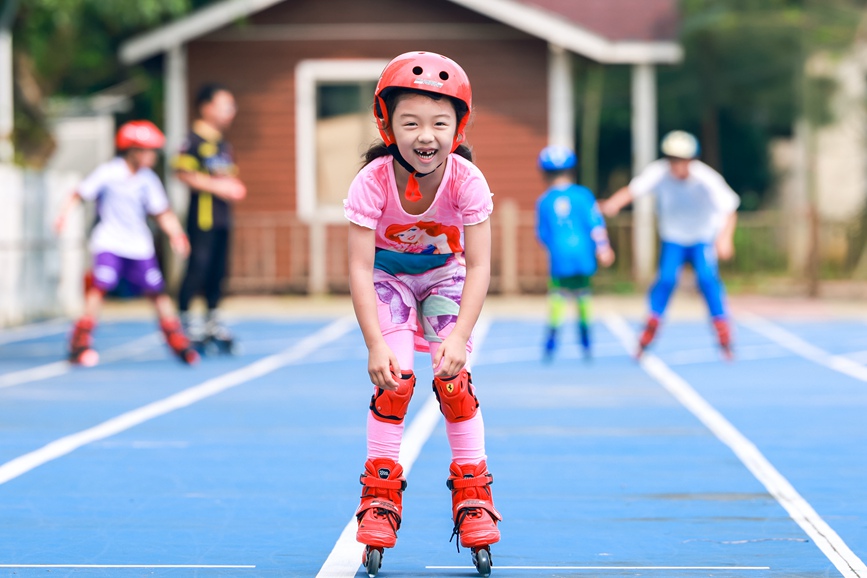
466 438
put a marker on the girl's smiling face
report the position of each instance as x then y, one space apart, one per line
424 130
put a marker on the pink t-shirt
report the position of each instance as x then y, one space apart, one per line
463 198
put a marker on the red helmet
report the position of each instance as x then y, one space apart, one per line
139 134
425 71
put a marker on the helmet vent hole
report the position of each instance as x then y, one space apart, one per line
444 75
417 70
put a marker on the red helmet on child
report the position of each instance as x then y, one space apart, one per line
139 134
429 72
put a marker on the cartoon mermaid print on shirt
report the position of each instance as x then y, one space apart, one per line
425 237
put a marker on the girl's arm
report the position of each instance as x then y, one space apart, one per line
381 361
71 201
169 223
451 357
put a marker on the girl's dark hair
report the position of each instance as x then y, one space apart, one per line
207 92
378 148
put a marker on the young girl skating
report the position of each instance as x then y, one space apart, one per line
126 191
407 300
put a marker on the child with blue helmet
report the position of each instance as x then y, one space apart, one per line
570 226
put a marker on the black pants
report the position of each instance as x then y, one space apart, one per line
206 267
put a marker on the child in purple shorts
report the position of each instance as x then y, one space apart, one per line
127 190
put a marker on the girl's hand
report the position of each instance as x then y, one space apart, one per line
180 244
451 357
382 365
59 223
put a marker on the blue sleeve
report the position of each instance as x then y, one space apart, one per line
592 213
595 216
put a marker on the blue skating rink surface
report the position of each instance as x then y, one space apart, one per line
683 465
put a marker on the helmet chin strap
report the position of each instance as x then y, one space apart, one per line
412 192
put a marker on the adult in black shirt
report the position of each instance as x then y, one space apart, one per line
206 164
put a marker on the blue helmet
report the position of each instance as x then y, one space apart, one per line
557 158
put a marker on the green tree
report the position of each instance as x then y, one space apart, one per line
69 48
740 84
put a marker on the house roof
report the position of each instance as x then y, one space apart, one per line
619 20
608 31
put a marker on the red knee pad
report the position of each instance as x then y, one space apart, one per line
391 406
456 396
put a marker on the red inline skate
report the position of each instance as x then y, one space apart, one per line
178 342
473 512
380 510
724 336
81 350
647 336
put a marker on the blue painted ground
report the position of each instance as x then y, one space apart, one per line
595 464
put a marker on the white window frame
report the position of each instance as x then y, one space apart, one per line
309 74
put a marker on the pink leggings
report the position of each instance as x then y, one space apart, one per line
466 438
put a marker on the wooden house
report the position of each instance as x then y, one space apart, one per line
303 73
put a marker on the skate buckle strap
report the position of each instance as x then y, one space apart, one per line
384 505
476 482
374 482
486 505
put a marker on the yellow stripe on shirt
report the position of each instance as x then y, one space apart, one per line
185 162
206 212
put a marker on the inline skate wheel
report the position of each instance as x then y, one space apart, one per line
190 356
482 561
88 358
372 560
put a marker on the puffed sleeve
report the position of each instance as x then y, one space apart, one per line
366 198
475 201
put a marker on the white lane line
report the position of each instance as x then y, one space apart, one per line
33 331
196 566
498 568
834 548
58 368
806 350
711 354
345 558
34 373
23 464
857 356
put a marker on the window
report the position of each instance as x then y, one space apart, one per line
334 126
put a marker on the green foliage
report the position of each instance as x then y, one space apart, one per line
72 43
740 85
69 48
